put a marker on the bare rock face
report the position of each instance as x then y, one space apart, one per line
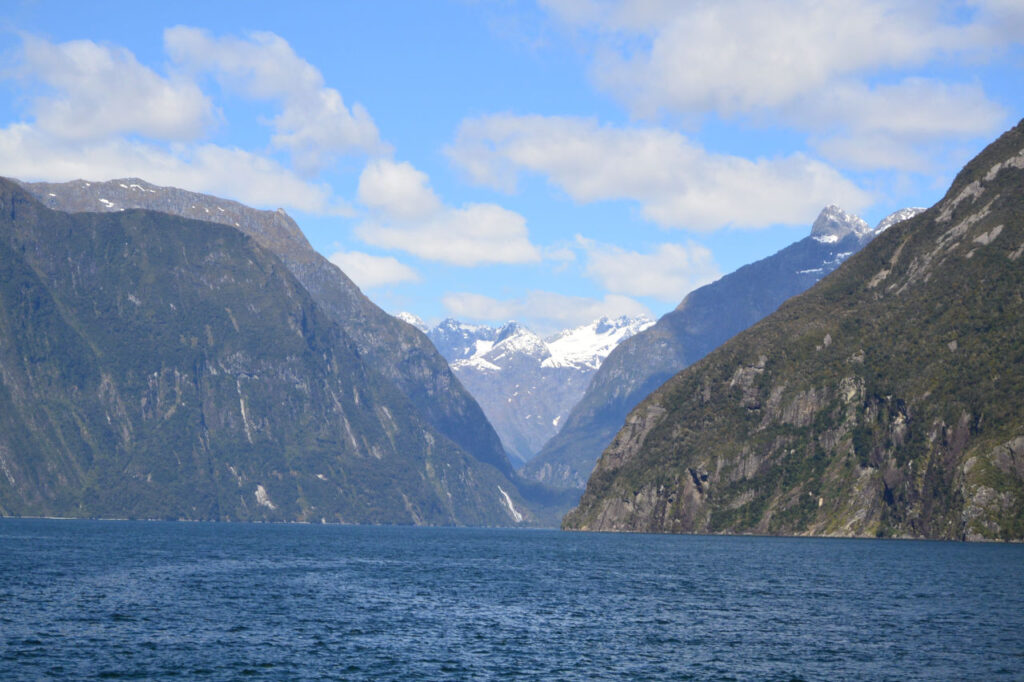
153 366
885 401
394 348
834 224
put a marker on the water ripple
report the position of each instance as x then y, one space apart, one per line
125 600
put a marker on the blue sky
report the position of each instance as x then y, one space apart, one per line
548 161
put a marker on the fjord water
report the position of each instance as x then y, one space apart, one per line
153 600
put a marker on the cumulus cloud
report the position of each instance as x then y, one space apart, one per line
398 190
406 214
884 126
668 273
676 182
542 311
95 91
369 271
30 154
810 64
314 126
736 56
96 112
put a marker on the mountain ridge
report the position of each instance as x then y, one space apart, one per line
153 366
526 384
397 350
703 320
884 401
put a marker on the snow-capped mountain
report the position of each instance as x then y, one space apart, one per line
526 385
589 345
897 217
834 224
409 318
703 320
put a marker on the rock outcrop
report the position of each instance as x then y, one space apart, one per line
395 349
884 401
153 366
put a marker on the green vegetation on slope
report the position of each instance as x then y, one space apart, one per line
884 401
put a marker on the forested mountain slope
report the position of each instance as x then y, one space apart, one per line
886 400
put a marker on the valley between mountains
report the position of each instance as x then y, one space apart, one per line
168 354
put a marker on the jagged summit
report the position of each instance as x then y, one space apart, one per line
511 329
833 224
897 217
415 321
590 344
527 384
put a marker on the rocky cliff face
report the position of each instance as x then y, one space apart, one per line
394 349
884 401
157 367
526 385
703 321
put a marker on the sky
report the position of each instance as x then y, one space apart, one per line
549 161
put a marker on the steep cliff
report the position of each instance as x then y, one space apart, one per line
155 366
883 401
396 350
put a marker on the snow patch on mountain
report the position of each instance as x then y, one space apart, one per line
833 224
589 345
409 318
525 384
897 217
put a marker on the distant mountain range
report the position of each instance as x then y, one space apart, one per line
158 366
885 401
526 385
705 319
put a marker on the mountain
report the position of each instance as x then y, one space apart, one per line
393 348
153 366
897 217
884 401
526 385
705 319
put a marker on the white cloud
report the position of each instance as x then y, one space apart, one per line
407 215
1004 18
810 64
735 56
398 190
373 271
315 126
101 114
542 311
96 91
29 154
884 126
668 273
676 182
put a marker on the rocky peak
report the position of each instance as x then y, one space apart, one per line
415 321
509 330
516 339
834 224
590 344
897 217
459 341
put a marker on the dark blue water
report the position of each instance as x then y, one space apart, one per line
81 599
